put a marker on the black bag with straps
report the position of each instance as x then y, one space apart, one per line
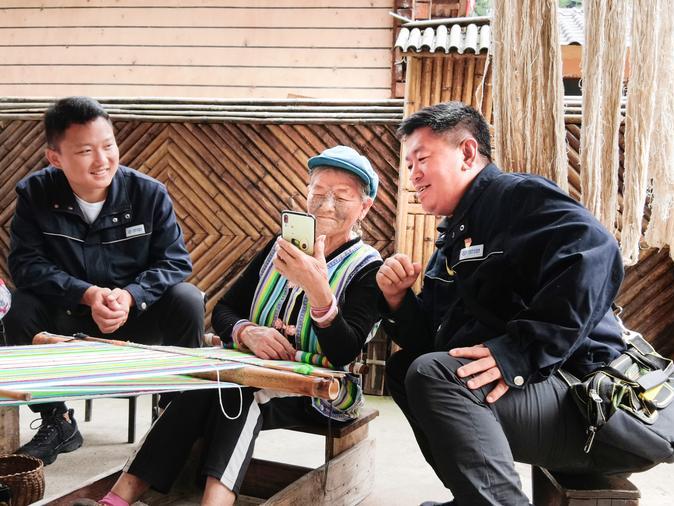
628 404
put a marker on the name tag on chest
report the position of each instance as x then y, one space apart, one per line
135 230
471 252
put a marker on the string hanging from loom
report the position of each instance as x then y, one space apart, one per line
222 407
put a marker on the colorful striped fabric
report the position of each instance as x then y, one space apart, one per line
90 369
120 388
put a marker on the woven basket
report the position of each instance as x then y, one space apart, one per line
24 475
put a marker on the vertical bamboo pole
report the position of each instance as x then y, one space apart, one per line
448 78
457 82
412 78
418 245
468 91
487 99
436 90
426 81
429 238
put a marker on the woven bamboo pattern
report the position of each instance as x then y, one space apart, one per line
228 181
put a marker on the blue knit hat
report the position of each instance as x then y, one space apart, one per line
344 157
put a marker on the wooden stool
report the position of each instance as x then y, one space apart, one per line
350 475
349 468
556 489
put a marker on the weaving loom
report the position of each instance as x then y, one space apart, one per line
69 368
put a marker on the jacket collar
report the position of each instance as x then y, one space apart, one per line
117 200
477 186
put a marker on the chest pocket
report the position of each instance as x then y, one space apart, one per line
126 248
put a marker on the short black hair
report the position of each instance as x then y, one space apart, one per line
67 111
447 117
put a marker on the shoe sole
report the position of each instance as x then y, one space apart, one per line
71 444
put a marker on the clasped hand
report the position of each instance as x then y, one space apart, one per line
483 368
109 308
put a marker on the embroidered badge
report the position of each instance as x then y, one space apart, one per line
471 252
135 230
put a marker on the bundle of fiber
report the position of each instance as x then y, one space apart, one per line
528 93
660 231
647 36
603 65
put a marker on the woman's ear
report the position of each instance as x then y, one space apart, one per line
367 204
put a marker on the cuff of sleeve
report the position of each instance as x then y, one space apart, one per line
392 317
138 295
75 293
236 329
511 360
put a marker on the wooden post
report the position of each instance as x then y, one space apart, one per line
9 429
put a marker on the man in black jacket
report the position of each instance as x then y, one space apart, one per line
95 248
520 284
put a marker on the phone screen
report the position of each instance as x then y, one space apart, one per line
299 229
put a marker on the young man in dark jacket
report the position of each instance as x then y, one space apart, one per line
95 248
520 284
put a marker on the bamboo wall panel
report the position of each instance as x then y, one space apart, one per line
228 182
214 48
647 293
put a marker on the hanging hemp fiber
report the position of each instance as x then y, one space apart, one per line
529 127
660 231
639 119
603 66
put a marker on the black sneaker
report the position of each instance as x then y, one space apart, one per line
54 435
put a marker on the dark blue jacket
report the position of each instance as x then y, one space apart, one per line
524 269
135 243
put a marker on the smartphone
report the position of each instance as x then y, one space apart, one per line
299 229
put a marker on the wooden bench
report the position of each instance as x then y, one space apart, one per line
555 489
349 467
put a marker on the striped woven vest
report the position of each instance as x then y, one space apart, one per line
268 306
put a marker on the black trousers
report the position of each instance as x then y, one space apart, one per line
177 318
228 443
472 445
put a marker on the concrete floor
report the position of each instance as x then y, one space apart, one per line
402 476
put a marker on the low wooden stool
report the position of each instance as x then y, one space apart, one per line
556 489
349 467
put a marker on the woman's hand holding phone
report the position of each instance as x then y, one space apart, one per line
308 272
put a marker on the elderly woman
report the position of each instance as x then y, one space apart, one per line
285 300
